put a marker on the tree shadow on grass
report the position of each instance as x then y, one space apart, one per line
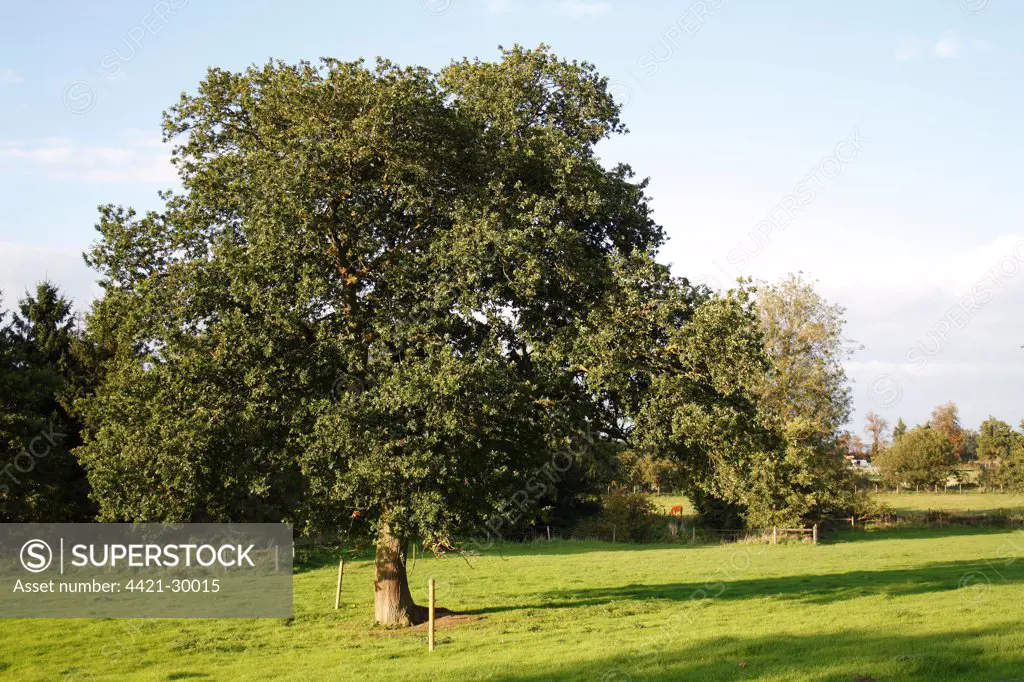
676 654
974 578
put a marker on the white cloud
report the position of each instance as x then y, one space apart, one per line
901 288
57 141
44 155
947 48
936 326
140 157
115 155
9 77
581 8
144 138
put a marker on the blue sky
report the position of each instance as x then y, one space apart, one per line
893 128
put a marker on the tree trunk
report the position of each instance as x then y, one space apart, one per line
392 600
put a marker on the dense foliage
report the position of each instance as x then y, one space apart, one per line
923 456
425 241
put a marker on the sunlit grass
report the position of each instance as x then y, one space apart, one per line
906 605
951 501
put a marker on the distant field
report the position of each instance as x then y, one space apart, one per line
666 502
902 502
938 604
975 502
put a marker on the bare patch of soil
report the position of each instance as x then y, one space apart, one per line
443 619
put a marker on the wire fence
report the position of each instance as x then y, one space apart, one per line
678 533
675 534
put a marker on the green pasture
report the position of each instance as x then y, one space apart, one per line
912 502
883 605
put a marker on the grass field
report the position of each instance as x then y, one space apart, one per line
908 502
666 502
892 605
904 502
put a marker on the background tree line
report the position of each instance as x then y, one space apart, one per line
941 451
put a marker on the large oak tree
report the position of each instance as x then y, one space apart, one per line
361 312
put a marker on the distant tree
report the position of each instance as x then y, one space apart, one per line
647 471
630 516
946 421
23 397
45 481
755 424
689 370
996 440
876 428
806 347
683 367
843 441
923 456
899 430
1009 474
805 396
857 447
970 446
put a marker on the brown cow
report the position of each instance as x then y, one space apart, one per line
677 508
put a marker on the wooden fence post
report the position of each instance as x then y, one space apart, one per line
775 535
695 535
613 534
277 558
430 618
337 594
815 533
